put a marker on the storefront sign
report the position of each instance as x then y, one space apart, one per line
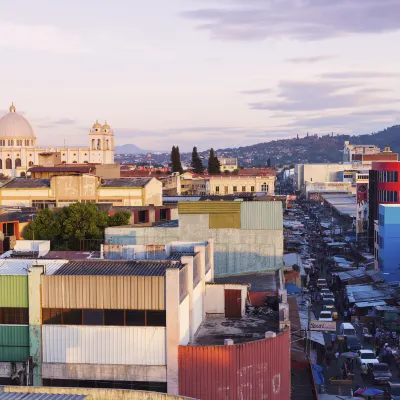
323 326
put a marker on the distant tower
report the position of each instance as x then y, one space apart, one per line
101 144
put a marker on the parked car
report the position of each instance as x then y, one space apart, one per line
328 303
321 283
347 329
352 343
325 316
394 390
380 372
366 357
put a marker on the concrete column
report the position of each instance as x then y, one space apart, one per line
211 256
189 261
172 329
201 250
35 321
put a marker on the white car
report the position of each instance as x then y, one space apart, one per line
325 316
366 357
321 283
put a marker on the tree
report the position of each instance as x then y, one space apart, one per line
269 163
67 227
176 165
196 164
214 166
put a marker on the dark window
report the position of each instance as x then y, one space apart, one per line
72 317
155 318
135 318
8 229
92 317
143 216
52 316
14 316
17 162
114 317
163 214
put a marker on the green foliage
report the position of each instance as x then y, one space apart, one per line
226 172
176 165
196 163
214 166
67 227
235 171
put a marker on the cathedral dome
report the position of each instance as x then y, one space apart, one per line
97 125
15 125
106 127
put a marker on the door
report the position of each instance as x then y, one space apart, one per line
233 303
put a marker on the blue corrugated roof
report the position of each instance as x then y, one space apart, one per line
39 396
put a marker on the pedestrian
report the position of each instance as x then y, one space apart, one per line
394 338
345 314
337 356
333 339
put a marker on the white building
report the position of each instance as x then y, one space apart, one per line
18 151
352 150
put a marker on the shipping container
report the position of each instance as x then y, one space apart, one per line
103 292
103 345
13 291
14 343
252 370
261 215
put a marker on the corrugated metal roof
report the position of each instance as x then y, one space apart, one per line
117 268
261 215
64 168
39 396
125 182
177 256
364 304
19 183
209 207
20 267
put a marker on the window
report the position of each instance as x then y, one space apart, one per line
92 317
251 188
143 217
243 188
114 317
52 316
26 142
14 316
11 142
226 189
8 163
217 189
381 220
8 229
72 317
1 163
155 318
17 162
235 189
135 318
380 242
163 214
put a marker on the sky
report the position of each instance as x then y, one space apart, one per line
205 73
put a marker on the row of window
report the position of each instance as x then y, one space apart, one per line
8 163
58 316
365 177
14 316
388 176
388 196
235 189
18 142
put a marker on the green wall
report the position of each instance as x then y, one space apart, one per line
14 291
14 342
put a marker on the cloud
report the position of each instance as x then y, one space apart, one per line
296 96
309 60
296 19
256 91
46 38
64 121
359 75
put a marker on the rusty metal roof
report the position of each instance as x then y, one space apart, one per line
39 396
118 268
125 182
177 255
22 183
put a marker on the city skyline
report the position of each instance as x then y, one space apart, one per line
208 73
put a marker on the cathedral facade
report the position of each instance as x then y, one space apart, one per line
18 151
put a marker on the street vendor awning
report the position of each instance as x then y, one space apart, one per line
365 304
387 308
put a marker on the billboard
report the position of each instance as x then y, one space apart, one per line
323 326
362 207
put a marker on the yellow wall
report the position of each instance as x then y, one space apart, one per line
235 180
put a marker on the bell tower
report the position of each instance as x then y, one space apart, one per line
101 143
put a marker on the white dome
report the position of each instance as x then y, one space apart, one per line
15 125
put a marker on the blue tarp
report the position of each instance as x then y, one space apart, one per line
292 288
318 374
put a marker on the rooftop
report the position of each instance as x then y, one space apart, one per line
177 255
213 331
117 268
125 182
258 281
22 183
84 168
39 396
71 255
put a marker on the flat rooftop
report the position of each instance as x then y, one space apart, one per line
258 281
213 331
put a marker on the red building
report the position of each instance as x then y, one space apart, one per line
384 188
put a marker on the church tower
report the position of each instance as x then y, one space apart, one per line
101 144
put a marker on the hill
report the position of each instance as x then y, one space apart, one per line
313 148
129 149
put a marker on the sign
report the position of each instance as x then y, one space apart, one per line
362 207
323 326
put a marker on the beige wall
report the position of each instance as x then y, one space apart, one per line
153 193
108 171
230 181
50 159
215 298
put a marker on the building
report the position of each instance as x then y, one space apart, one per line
354 152
228 164
105 171
384 188
192 184
247 236
18 150
314 191
388 242
60 191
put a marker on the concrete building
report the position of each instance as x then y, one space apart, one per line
228 164
18 151
247 236
105 171
388 242
353 152
60 191
192 184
